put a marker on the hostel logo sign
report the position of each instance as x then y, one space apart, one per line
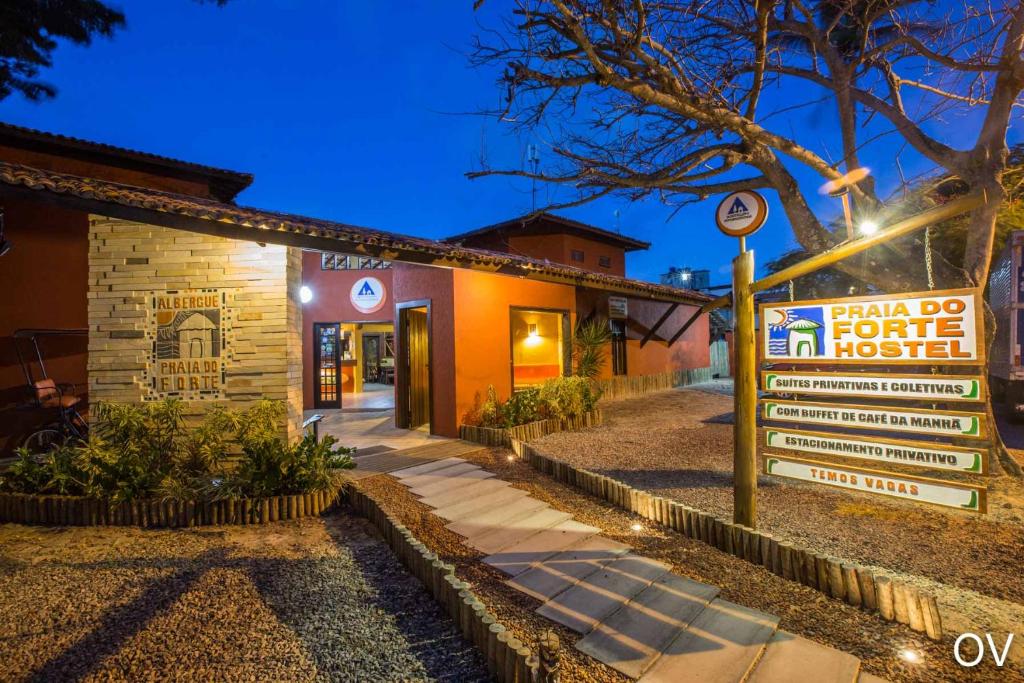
797 332
368 295
187 357
929 328
741 213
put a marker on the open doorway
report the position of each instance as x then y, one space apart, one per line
413 409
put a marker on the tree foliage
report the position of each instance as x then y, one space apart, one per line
30 31
680 101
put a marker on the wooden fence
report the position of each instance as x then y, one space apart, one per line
893 599
625 387
23 508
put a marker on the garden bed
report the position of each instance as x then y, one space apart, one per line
490 436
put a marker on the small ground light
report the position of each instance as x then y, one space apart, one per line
637 527
868 228
911 656
511 458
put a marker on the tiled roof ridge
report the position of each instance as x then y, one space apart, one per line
212 210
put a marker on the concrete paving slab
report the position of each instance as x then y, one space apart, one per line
720 646
591 601
510 533
440 475
483 520
563 570
517 558
865 677
462 480
410 472
464 490
470 508
788 657
634 636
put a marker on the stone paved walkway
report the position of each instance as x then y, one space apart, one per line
634 614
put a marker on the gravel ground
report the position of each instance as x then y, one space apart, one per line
678 444
802 610
305 600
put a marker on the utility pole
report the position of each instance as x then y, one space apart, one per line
533 159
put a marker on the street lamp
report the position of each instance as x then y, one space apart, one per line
840 187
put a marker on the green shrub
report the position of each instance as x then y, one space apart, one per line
145 450
568 396
560 397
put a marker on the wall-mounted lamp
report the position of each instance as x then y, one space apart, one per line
305 294
532 330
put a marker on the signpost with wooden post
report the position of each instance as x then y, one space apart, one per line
741 214
954 340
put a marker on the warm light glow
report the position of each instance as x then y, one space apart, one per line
912 656
637 527
511 458
533 330
868 227
305 294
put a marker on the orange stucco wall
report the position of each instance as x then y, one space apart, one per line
331 304
559 247
689 351
435 285
482 328
44 278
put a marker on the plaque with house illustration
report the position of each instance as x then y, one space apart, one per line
187 333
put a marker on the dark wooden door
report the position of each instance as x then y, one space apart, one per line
326 361
416 357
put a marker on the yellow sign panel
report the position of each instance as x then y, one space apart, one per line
927 328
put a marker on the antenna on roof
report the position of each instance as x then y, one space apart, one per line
533 159
616 214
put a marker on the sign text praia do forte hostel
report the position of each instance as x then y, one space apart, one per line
924 329
938 328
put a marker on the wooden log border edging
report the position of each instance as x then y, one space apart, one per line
489 436
24 508
891 598
508 659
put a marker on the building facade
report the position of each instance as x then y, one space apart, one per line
139 278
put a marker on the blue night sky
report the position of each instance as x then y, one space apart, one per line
351 111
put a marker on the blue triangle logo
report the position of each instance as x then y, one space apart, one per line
366 290
738 207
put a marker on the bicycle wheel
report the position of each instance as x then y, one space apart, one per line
39 442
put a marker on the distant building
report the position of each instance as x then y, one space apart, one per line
687 278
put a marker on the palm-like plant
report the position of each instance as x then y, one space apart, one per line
592 336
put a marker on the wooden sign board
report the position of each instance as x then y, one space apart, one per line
893 419
926 328
918 489
897 451
618 308
875 385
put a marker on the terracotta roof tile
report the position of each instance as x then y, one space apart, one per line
405 247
